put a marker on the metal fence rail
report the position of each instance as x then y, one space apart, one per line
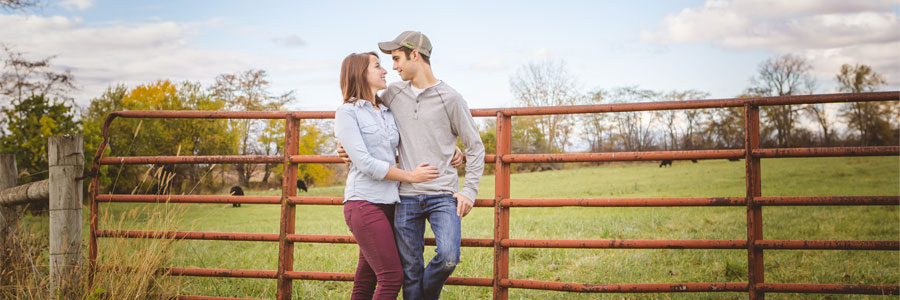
756 287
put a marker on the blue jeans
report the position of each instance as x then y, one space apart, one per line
419 281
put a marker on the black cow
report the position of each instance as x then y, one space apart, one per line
236 191
301 185
665 162
694 161
734 159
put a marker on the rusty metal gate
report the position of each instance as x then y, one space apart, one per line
501 201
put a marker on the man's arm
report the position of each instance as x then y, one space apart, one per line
387 97
468 133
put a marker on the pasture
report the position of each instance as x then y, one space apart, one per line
781 177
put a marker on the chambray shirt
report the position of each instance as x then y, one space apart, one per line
370 138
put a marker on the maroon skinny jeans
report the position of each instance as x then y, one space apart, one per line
378 273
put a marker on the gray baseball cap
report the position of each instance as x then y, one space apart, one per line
410 39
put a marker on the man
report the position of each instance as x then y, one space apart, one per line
430 116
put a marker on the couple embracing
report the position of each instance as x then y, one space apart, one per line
414 123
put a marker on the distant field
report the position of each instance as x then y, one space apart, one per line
781 177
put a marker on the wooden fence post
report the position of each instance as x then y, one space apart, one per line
66 156
9 216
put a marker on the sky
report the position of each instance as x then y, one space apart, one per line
714 46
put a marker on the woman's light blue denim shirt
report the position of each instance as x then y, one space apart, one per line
370 138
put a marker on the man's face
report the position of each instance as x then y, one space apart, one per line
404 66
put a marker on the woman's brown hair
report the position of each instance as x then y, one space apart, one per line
353 77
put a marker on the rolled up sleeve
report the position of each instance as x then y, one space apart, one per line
347 131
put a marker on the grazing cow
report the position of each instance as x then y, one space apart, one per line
236 191
734 159
665 162
694 161
301 185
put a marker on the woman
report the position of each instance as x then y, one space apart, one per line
366 130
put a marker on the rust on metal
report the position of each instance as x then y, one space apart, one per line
501 214
827 152
330 276
627 244
829 245
200 114
316 159
198 272
818 288
305 200
348 239
211 159
189 235
625 202
626 288
753 180
624 156
827 200
288 210
188 199
327 276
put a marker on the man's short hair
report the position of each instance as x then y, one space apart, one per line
425 58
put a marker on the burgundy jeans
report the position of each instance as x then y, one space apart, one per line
379 273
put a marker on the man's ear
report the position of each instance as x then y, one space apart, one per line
414 55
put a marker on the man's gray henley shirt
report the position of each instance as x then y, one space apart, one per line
429 126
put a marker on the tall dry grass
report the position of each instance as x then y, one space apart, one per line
127 268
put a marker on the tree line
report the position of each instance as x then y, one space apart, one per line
548 83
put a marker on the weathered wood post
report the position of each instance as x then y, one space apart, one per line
66 156
9 216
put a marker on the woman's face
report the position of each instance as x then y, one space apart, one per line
375 74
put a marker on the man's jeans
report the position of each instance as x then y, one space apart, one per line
421 282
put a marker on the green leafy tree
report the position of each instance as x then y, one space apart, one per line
315 140
272 143
29 124
139 137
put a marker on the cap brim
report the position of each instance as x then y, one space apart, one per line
387 47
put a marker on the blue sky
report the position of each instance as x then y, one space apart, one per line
713 46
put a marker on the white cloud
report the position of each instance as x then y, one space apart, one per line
290 41
490 64
76 4
828 32
129 53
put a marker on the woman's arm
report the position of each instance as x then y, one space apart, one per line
422 173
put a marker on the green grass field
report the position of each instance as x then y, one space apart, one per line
781 177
